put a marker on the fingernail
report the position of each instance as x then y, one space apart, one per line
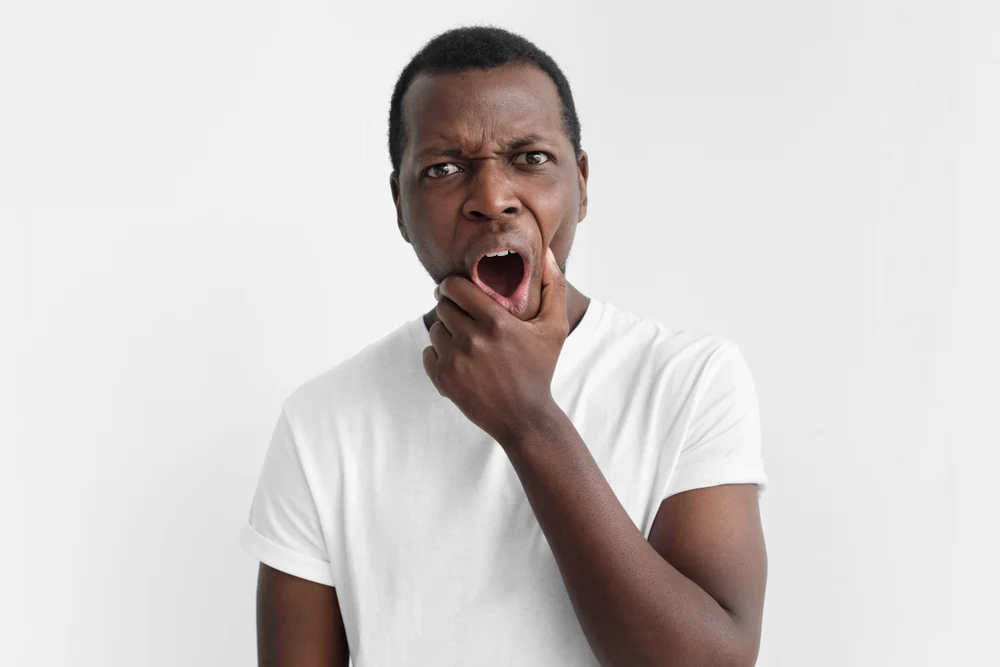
437 292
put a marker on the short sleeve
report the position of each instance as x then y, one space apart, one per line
722 444
284 529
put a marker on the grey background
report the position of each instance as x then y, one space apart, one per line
196 218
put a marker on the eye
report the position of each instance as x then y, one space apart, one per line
439 170
534 158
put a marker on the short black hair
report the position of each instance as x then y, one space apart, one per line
475 47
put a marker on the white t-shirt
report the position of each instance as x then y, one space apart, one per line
375 484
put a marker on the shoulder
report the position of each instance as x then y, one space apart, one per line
654 345
361 380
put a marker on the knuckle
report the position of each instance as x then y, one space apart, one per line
492 325
474 345
438 331
467 343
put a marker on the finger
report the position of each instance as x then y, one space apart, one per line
430 357
452 316
470 298
440 337
553 307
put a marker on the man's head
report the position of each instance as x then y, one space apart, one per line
485 148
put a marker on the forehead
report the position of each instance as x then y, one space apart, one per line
476 107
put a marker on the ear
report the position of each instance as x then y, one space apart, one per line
394 187
583 172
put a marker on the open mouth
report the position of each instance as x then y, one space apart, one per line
503 275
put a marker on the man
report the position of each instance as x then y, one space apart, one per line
523 475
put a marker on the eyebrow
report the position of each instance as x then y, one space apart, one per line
455 152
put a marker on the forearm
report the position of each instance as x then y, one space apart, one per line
634 607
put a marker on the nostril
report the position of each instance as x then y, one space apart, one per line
480 215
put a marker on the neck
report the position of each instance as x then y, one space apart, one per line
576 307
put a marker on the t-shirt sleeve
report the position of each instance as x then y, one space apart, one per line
722 444
284 529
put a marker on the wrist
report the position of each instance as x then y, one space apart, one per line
543 423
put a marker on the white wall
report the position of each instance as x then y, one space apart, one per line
196 218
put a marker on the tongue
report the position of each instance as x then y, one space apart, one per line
502 274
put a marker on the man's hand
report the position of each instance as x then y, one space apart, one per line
495 367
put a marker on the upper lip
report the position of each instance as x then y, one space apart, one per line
495 244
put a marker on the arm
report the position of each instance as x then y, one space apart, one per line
298 622
693 595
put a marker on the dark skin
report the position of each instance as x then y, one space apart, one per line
298 622
693 593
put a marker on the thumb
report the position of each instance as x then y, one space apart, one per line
553 305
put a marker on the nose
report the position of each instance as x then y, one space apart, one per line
491 194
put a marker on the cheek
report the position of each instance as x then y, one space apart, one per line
431 258
563 239
418 215
431 232
430 210
557 206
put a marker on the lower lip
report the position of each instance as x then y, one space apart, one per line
517 302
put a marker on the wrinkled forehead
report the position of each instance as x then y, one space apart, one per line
481 109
